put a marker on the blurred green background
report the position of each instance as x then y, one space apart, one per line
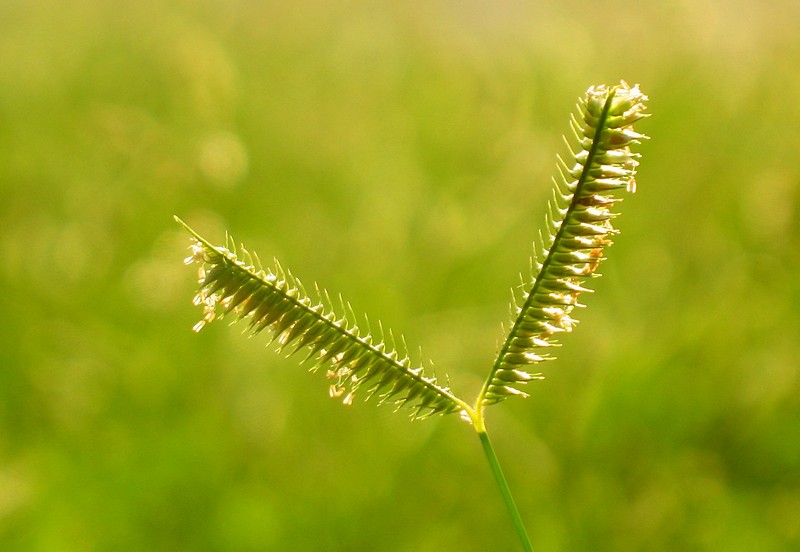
399 153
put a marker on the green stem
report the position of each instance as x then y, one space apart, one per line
504 490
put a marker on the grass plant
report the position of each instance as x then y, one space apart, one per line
361 357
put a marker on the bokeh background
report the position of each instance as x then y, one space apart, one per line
399 153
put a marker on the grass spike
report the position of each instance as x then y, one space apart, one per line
577 230
235 283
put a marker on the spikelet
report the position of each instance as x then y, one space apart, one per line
577 231
234 283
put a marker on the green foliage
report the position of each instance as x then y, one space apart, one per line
398 153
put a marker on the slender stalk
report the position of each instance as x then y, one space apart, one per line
504 490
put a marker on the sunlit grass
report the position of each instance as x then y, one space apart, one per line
360 135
